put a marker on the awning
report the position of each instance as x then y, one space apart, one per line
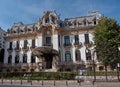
44 50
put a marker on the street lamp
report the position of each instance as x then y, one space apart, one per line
94 66
118 65
93 60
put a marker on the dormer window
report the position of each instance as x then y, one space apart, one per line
47 20
29 29
94 22
53 19
69 23
14 31
84 23
21 30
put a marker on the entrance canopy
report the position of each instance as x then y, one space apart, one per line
42 51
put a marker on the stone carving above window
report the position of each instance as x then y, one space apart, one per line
49 18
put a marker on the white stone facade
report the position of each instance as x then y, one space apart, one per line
72 38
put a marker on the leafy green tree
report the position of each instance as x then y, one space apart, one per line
107 40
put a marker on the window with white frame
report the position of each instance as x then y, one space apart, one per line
67 56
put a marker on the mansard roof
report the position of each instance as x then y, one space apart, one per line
55 20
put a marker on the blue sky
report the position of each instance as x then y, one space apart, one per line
29 11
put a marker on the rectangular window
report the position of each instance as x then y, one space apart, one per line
86 38
33 43
67 56
17 45
25 43
10 45
59 39
47 20
48 41
66 40
76 39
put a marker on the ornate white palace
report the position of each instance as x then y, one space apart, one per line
72 38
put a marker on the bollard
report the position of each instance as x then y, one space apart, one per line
31 82
11 81
93 82
67 83
54 82
42 82
21 82
79 81
2 81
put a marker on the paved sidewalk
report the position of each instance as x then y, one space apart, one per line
58 83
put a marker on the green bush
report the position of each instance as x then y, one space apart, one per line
102 73
39 75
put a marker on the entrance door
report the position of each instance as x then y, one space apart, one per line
48 60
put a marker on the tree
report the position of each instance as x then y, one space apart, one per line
107 40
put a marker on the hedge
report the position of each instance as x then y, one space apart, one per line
39 75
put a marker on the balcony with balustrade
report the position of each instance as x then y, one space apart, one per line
17 49
10 49
25 48
78 44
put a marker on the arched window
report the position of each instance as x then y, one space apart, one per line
67 56
78 55
53 19
33 59
25 58
10 59
88 54
17 58
47 20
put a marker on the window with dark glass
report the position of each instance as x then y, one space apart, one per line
84 23
33 59
53 19
69 23
94 22
59 39
86 38
67 56
47 20
25 43
66 40
48 41
25 58
10 59
33 43
10 46
76 39
78 55
17 45
88 54
17 58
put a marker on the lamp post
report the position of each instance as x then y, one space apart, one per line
94 66
118 65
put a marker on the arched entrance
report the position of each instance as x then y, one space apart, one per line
47 56
48 61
